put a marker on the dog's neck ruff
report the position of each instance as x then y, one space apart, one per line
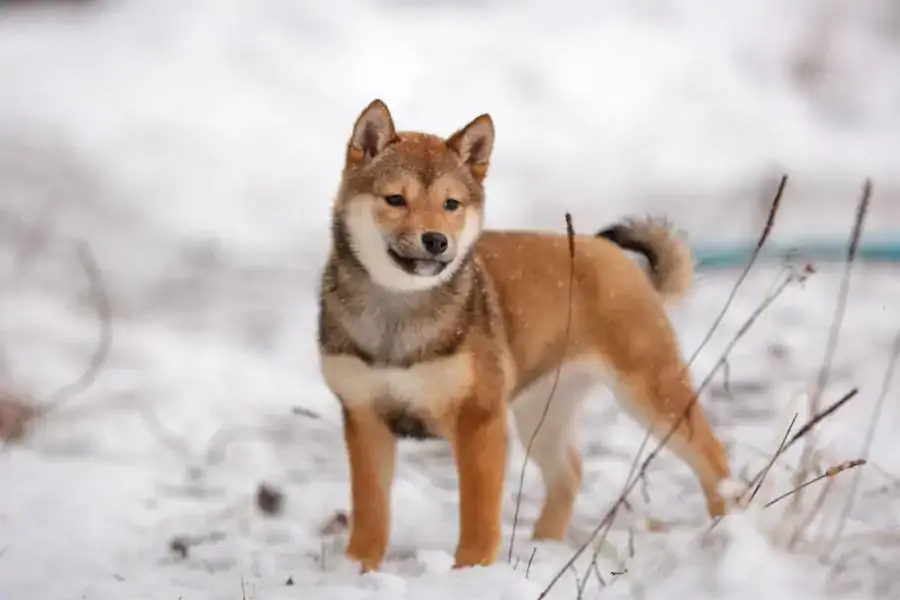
388 327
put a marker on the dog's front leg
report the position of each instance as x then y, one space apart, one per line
479 444
372 451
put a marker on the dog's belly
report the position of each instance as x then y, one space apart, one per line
404 424
411 400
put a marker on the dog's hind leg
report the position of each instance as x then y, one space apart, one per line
554 450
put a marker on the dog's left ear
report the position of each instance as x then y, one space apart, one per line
474 143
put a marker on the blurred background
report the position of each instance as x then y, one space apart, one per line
196 148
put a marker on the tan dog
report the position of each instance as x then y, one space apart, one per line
430 327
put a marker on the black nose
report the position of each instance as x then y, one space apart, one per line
434 242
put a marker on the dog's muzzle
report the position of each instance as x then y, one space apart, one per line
418 265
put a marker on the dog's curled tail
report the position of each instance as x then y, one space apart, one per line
670 263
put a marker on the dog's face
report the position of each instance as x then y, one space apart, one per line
411 204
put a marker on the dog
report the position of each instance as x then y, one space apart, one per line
430 326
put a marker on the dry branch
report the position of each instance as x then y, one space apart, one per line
530 562
760 242
828 474
870 436
100 298
570 235
802 432
819 417
768 467
834 333
633 474
16 414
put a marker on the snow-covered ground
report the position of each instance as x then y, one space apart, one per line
195 146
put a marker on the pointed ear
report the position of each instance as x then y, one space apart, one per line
474 143
373 131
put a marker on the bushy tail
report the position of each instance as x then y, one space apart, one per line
671 266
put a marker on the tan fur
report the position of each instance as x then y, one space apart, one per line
448 353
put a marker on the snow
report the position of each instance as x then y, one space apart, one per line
196 147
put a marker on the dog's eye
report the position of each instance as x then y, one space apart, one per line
395 200
451 204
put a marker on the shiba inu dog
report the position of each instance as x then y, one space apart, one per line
431 327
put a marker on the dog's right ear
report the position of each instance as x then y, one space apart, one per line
372 133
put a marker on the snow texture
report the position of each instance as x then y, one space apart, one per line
195 146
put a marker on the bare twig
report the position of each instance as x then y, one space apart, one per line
596 569
807 427
742 331
778 452
834 333
607 524
870 436
100 298
645 489
763 236
16 414
819 417
829 473
633 474
570 235
758 479
578 593
726 381
530 562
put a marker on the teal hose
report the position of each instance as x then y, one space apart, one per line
736 255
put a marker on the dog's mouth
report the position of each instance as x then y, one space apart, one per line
423 267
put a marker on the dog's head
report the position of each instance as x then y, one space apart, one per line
411 204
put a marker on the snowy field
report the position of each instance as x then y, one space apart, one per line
195 147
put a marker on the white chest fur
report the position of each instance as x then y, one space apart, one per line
426 388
